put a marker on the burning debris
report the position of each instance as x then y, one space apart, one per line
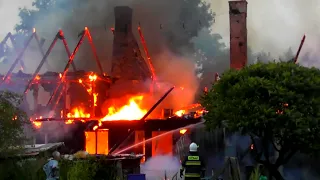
98 101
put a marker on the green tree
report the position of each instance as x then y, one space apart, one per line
212 56
13 121
276 103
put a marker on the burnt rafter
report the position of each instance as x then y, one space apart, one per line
83 34
299 49
149 61
59 36
9 36
21 53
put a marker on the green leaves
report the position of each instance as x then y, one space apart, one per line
281 100
12 121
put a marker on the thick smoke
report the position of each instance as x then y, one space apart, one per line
159 167
98 15
274 26
178 71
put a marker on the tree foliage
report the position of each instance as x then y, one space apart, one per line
12 122
278 103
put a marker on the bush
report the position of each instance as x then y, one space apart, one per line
85 169
24 169
255 175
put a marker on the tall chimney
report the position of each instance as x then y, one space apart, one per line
127 62
238 33
128 65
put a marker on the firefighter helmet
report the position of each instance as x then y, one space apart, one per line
193 147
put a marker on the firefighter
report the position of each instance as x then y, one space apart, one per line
193 164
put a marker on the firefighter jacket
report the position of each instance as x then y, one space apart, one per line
193 165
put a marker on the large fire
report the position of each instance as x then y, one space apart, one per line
78 112
130 111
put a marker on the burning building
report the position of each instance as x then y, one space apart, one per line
83 107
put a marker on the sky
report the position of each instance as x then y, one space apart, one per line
273 25
9 10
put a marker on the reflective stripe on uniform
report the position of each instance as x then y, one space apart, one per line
193 163
193 158
192 175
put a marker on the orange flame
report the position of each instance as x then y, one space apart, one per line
95 98
37 124
180 113
183 131
131 111
78 112
37 77
93 77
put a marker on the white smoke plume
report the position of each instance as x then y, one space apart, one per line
274 26
159 167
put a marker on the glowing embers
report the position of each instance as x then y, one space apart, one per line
193 111
180 113
35 123
77 112
97 142
130 111
183 131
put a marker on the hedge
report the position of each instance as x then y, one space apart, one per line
84 169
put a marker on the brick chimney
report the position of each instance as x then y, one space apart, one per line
128 65
127 62
238 34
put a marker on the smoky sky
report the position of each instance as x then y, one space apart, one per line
158 19
274 26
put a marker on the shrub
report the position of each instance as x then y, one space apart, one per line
255 175
84 169
11 169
